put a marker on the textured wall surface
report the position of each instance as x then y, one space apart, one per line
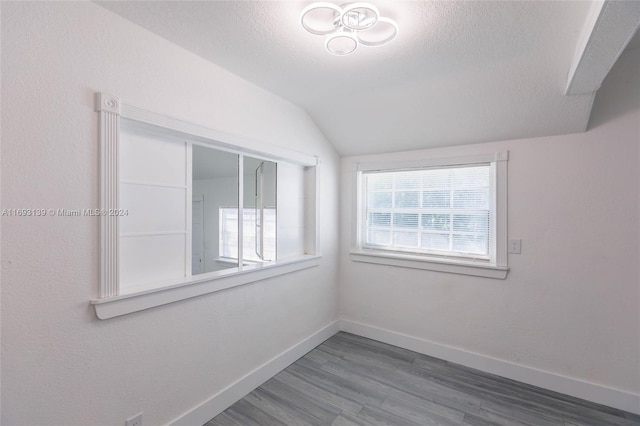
60 365
570 304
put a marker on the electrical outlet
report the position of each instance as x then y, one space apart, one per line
514 246
135 420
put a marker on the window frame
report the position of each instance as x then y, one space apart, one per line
109 303
221 243
495 267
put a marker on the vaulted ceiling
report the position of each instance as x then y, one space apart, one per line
458 72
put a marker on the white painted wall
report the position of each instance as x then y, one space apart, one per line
570 304
60 365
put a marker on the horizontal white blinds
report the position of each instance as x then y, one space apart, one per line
443 211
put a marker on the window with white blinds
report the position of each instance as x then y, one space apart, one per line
446 214
439 211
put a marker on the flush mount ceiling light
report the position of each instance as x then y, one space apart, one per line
348 26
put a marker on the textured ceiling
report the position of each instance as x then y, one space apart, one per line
458 73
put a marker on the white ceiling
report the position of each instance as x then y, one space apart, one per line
458 73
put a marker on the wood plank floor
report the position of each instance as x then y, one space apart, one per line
350 380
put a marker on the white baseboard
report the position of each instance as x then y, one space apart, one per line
225 398
234 392
590 391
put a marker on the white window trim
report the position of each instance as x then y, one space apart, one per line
109 303
497 269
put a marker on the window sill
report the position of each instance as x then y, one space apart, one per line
199 285
232 261
430 264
